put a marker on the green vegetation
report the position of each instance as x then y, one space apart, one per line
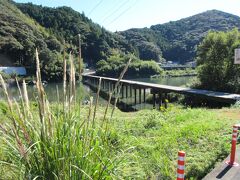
46 28
20 35
156 138
54 144
57 24
43 141
67 141
145 43
138 68
65 23
177 73
5 76
177 40
137 145
216 62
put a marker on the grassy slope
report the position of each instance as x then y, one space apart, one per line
151 139
156 138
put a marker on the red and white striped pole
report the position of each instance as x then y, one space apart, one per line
181 165
233 148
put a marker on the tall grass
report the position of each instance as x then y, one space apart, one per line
43 141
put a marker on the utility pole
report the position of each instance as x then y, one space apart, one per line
80 57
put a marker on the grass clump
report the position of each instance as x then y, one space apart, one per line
53 141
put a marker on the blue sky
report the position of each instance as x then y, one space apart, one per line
117 15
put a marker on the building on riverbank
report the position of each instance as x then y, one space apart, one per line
8 67
14 70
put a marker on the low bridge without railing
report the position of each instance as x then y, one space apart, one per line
136 91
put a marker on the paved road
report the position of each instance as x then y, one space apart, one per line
225 172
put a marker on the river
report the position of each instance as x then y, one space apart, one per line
85 92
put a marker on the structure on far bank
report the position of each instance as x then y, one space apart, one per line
7 67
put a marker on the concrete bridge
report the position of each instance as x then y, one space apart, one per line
135 92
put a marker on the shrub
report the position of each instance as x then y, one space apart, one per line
138 68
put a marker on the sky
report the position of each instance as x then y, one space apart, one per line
119 15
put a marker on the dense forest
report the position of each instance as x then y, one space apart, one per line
25 27
174 41
20 35
177 40
65 23
99 46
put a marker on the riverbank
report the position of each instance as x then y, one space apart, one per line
177 73
11 79
146 143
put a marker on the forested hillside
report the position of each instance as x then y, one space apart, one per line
25 27
65 23
20 35
177 40
174 41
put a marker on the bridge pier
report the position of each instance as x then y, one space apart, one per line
94 82
159 100
113 88
130 91
135 95
106 86
166 100
144 95
103 84
117 89
126 91
154 100
122 91
109 86
140 95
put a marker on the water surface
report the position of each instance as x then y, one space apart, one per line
53 90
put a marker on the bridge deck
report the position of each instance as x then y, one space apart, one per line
218 96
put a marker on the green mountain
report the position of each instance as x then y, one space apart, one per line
24 27
177 40
65 23
20 35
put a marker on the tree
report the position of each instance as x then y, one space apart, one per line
138 68
216 69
